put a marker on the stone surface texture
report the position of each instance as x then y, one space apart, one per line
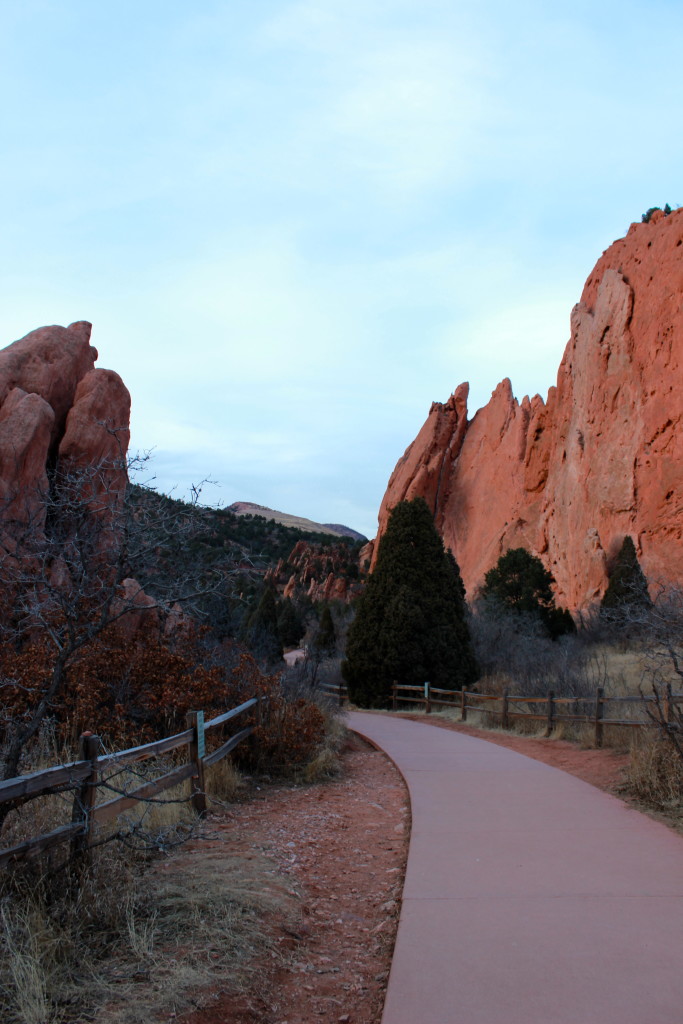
602 457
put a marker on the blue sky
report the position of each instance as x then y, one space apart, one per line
295 225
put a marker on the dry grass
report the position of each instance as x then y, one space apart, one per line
655 774
160 932
224 783
326 763
143 935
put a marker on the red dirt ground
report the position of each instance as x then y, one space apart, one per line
342 846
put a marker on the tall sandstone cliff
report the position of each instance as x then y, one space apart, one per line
601 458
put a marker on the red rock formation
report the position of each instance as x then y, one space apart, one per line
96 436
26 423
320 573
601 458
49 362
56 408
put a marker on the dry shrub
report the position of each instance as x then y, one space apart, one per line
128 690
289 735
655 774
326 763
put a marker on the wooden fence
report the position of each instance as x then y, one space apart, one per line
337 691
550 709
86 775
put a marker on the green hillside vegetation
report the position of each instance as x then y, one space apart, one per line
217 533
236 552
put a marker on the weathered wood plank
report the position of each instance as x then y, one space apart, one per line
84 801
626 721
32 847
220 752
195 719
180 739
112 808
48 778
227 715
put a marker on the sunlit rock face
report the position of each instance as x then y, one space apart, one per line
59 416
602 457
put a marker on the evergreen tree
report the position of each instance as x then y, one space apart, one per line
262 630
290 625
410 624
520 583
627 586
325 639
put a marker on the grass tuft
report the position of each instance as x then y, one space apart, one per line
655 773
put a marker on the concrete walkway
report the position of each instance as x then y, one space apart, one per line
530 896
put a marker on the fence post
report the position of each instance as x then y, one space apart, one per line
84 800
463 705
667 705
504 724
393 696
599 711
551 712
428 700
195 721
341 695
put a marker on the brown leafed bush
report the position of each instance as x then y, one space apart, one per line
131 690
289 735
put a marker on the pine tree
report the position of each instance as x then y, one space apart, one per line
627 586
262 632
325 639
520 583
290 625
410 624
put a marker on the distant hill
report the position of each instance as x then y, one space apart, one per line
249 508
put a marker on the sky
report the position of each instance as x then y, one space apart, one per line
294 225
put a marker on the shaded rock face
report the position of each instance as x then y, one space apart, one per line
321 574
58 413
601 458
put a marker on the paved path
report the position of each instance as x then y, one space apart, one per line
530 896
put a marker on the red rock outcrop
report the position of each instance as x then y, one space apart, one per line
320 573
57 410
602 457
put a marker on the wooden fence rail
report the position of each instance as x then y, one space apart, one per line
594 713
86 775
552 707
336 690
